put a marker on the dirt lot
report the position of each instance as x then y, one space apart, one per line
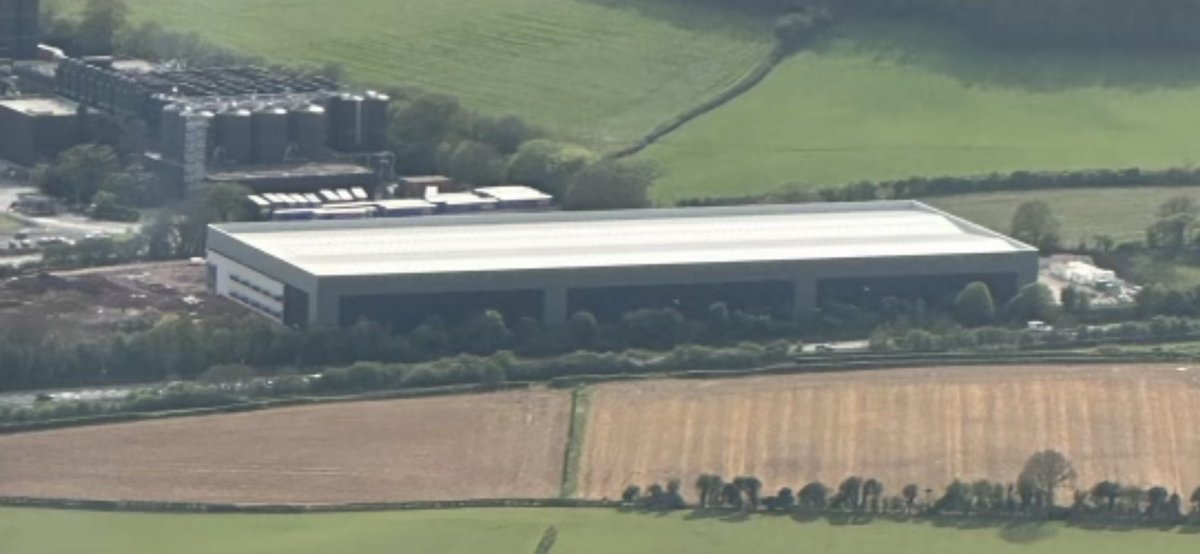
498 445
84 303
1134 424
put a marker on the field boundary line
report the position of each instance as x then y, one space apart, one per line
152 506
797 366
581 402
742 85
548 540
255 405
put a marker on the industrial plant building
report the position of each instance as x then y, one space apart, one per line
18 29
271 129
37 129
546 266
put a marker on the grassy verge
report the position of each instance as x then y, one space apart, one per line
1121 214
893 100
580 531
580 402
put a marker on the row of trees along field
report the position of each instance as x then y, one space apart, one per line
182 348
1046 478
1028 23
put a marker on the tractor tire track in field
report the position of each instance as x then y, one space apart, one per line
1137 424
501 445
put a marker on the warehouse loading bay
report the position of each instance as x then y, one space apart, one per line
545 266
91 301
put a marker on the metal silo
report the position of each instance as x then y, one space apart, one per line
270 135
234 135
195 127
375 121
309 130
346 122
170 133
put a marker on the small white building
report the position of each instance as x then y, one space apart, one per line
1082 273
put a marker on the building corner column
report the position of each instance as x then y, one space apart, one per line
554 305
804 296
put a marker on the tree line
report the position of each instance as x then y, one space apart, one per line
31 356
1046 477
926 187
237 383
182 348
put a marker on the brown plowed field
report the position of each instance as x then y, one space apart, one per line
489 446
1136 424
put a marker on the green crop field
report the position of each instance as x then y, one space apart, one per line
894 100
1123 214
602 72
518 531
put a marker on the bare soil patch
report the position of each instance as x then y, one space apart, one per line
87 303
487 446
1138 424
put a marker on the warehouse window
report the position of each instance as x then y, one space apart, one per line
406 311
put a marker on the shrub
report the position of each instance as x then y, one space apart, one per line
974 305
227 373
653 328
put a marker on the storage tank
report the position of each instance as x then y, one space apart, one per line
345 119
375 121
270 127
309 130
234 135
170 134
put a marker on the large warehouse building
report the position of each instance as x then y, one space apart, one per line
550 265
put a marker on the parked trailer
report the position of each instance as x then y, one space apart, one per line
460 202
341 212
293 215
408 207
515 197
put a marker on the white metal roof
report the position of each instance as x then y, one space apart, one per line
458 199
511 193
41 106
403 203
565 240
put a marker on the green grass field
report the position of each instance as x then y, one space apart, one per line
1123 214
893 100
602 72
8 223
518 531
